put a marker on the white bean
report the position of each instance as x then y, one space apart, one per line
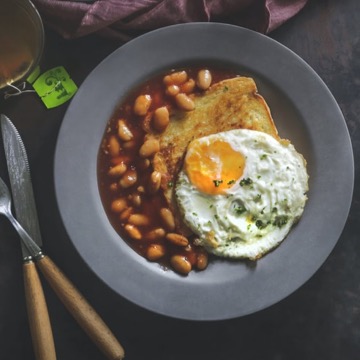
176 78
149 148
124 132
142 105
184 102
168 218
161 118
128 179
203 80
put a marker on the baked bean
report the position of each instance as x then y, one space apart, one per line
176 78
172 90
136 199
118 205
128 179
126 214
144 164
154 182
139 220
177 239
155 252
128 145
133 231
161 118
117 170
114 146
114 187
141 189
123 131
167 218
142 105
149 148
188 86
180 264
146 122
202 260
203 80
191 254
155 234
184 102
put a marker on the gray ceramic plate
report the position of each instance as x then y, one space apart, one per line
304 111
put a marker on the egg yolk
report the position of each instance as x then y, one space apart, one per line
213 166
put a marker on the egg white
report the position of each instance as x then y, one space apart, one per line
257 212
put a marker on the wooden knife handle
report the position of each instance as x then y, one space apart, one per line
39 321
81 310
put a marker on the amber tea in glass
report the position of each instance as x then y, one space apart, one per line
21 40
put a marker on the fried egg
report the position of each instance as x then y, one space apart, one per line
241 191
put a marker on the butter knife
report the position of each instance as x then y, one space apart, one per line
72 299
24 204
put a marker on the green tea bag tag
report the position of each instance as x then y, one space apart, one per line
55 87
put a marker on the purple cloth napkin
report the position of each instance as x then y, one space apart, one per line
128 18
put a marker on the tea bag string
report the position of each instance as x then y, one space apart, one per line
17 90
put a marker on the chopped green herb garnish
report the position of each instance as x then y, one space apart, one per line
261 225
217 182
239 209
280 221
231 182
245 182
263 157
257 197
225 89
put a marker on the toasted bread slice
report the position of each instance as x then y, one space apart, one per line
230 104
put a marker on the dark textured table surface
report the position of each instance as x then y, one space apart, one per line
321 320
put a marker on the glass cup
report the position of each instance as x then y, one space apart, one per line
21 41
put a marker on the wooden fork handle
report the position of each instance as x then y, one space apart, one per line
39 321
81 310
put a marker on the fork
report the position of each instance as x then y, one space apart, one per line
39 320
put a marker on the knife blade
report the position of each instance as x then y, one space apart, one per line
73 300
25 210
20 181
